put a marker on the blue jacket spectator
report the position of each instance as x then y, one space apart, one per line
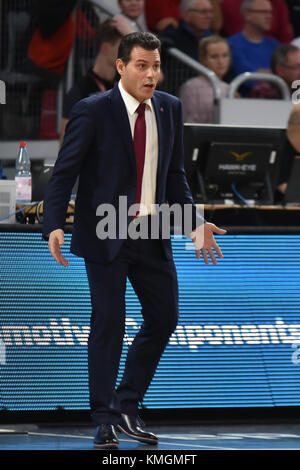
195 22
251 49
249 56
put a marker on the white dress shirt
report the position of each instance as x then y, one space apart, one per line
151 154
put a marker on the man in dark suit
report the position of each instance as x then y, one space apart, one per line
126 142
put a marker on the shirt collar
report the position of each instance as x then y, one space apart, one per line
132 103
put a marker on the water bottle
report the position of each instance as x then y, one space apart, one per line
23 175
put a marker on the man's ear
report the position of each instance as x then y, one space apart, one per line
120 66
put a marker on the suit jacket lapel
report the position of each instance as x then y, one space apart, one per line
122 123
160 114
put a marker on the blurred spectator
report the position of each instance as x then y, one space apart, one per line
217 21
132 10
52 42
161 14
294 9
122 24
194 24
2 174
101 76
285 63
197 94
296 42
291 148
280 27
251 49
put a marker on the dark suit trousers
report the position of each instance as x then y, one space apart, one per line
154 280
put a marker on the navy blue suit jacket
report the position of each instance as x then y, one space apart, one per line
98 146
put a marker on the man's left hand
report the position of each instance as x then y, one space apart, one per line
204 241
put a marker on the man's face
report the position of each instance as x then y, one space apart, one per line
291 70
141 74
132 8
259 15
199 16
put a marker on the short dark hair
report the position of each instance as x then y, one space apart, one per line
279 55
146 40
106 32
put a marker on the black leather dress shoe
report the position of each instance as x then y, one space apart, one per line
134 427
106 437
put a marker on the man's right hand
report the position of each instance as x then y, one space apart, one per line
56 239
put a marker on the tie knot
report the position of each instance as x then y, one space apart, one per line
141 109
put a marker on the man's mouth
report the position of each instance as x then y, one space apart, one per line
150 85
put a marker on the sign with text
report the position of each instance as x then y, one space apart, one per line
237 342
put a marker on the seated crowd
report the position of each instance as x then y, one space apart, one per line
228 37
257 38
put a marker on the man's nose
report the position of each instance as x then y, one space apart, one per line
150 72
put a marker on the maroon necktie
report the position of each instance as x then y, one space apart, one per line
139 141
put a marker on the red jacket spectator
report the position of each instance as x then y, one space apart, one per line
281 28
157 10
169 10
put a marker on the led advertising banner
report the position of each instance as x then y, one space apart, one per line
237 343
